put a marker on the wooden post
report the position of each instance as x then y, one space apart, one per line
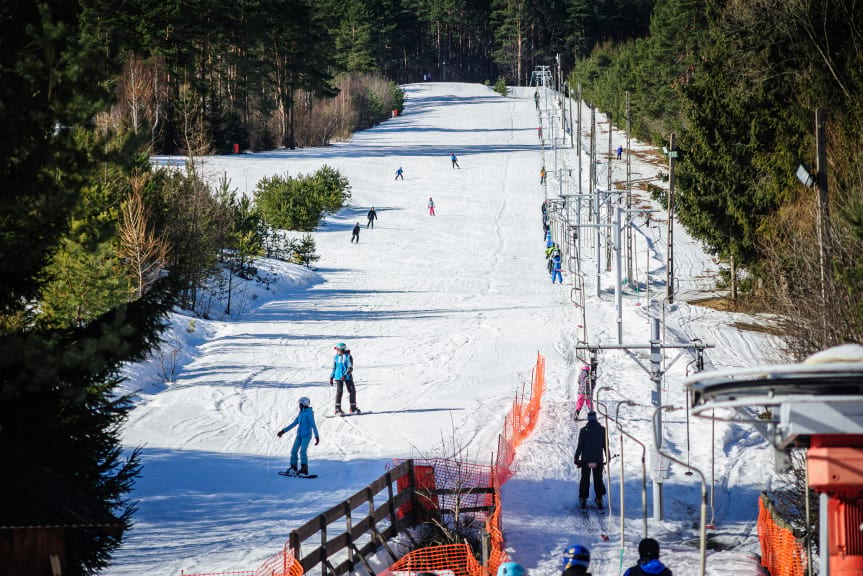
392 509
294 543
322 520
348 526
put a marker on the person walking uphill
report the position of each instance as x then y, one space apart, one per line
305 424
454 161
400 173
372 216
342 376
585 390
431 206
590 457
355 235
648 560
556 270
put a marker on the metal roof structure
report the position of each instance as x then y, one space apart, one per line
821 396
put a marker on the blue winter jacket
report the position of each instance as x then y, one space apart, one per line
306 421
342 367
652 567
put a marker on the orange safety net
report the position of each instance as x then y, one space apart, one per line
782 553
456 559
519 423
282 563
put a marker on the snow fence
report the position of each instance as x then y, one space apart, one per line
783 553
463 485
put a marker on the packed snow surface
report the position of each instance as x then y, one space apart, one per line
444 316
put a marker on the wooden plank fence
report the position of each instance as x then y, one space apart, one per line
381 523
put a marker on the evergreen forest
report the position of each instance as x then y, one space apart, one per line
96 247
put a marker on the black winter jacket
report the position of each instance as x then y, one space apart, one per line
591 443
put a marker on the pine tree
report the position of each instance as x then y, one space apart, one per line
58 378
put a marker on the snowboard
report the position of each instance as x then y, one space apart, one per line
346 415
295 475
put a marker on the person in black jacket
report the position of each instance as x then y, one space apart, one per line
372 215
355 235
648 560
590 457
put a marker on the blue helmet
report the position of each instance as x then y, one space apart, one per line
510 569
576 556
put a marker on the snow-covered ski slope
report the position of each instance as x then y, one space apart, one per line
444 316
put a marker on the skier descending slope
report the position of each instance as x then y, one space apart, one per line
305 423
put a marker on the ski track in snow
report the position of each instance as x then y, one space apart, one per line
444 316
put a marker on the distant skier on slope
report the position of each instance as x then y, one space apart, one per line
305 423
590 457
542 175
454 159
355 235
372 216
585 391
431 206
400 173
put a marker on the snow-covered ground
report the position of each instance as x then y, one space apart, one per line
444 315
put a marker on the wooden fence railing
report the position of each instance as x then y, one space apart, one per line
340 550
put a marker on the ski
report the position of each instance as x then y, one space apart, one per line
287 474
348 414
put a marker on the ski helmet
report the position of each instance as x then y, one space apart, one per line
576 556
591 415
648 548
305 402
341 346
585 367
510 569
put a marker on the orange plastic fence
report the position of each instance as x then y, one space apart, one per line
455 558
520 421
782 553
280 564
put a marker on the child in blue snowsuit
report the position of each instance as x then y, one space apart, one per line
548 241
556 274
305 423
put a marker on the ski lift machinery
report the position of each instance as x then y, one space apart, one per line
817 405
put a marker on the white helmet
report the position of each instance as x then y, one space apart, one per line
305 402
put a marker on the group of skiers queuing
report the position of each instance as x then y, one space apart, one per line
576 562
341 376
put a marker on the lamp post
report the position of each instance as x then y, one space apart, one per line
702 525
819 179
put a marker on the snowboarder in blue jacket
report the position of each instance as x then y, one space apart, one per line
305 423
342 376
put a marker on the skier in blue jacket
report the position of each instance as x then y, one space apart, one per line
342 375
305 423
